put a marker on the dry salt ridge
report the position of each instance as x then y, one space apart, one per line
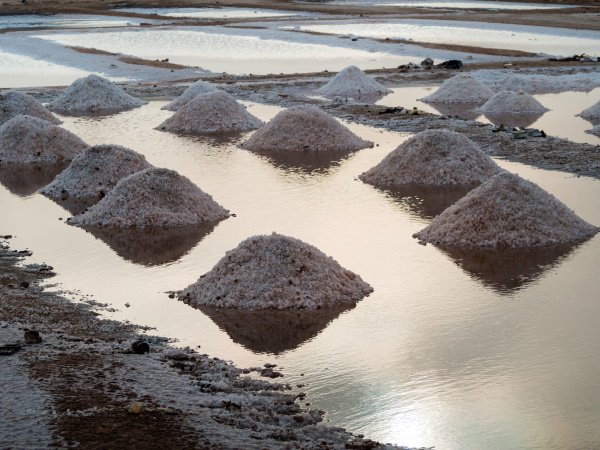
93 95
94 172
198 88
461 88
276 272
352 82
507 211
304 128
14 103
433 157
546 84
213 112
512 103
152 198
27 139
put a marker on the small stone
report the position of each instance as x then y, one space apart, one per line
24 284
140 347
32 337
135 408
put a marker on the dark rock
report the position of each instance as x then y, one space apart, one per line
140 347
427 62
452 64
24 284
32 337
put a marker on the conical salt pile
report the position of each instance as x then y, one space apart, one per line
276 272
14 103
94 172
508 102
433 157
301 129
592 113
93 95
461 89
26 139
152 198
214 112
352 82
595 130
196 89
506 211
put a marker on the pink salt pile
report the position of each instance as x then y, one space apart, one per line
14 103
352 82
152 198
196 89
276 272
433 157
461 88
508 103
302 129
94 172
26 139
214 112
506 211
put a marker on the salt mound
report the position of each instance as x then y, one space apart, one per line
592 113
433 157
460 89
595 130
352 82
301 129
196 89
93 95
508 102
94 172
152 198
13 103
214 112
276 272
506 211
26 139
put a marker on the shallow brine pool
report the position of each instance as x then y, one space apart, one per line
461 350
65 21
211 13
452 4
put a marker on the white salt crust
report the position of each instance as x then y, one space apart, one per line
301 129
545 84
14 103
196 89
94 172
592 113
152 198
276 272
509 102
26 139
352 82
214 112
506 211
461 88
433 157
93 95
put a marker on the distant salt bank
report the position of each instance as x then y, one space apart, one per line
213 112
196 89
353 82
152 198
433 157
461 88
276 272
14 103
304 129
94 172
93 95
507 211
512 103
27 139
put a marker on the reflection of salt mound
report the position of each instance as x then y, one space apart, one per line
153 198
506 211
93 95
460 89
26 139
26 179
272 331
276 272
215 112
513 120
13 103
196 89
592 113
433 157
507 102
94 172
302 129
352 82
462 110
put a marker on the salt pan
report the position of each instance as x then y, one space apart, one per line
352 82
461 88
14 103
276 272
196 89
